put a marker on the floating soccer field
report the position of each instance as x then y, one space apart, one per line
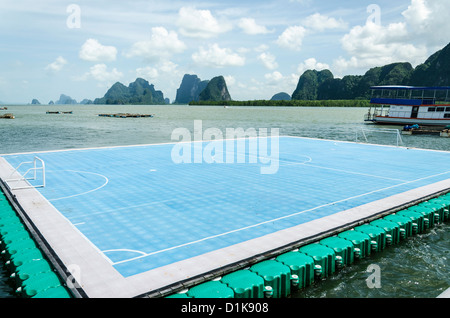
132 220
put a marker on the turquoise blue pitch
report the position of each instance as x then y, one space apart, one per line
143 211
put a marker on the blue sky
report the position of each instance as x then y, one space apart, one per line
80 48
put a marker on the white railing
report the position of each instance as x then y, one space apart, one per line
12 183
381 130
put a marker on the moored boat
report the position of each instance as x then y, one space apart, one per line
409 105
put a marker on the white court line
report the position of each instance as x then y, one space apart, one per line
275 220
124 250
87 192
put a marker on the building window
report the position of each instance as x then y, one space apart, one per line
447 109
447 116
431 109
440 109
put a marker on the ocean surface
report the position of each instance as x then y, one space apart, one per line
417 268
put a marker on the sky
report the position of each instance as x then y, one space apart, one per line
80 48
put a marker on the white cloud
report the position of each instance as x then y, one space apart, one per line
100 73
292 38
168 67
57 65
376 45
428 21
147 72
163 68
249 26
162 44
268 60
262 48
217 57
272 84
93 51
230 80
319 22
372 44
417 13
311 64
274 78
200 23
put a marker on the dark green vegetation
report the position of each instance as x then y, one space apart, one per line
216 90
287 103
138 93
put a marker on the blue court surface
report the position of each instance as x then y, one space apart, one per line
143 210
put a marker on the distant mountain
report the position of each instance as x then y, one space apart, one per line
138 93
281 96
86 102
435 71
190 89
216 90
65 100
309 83
321 85
358 87
35 102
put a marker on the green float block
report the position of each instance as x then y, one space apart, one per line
439 212
11 229
11 236
212 289
6 211
417 218
445 205
301 265
245 284
178 296
434 210
38 283
377 235
360 241
23 257
406 228
9 220
8 239
54 293
277 277
392 230
342 248
29 269
323 256
17 246
427 214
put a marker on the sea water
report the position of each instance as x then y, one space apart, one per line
418 267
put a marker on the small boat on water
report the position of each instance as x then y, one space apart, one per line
3 108
409 105
127 115
58 112
7 116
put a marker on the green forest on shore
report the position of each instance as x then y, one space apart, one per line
287 103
